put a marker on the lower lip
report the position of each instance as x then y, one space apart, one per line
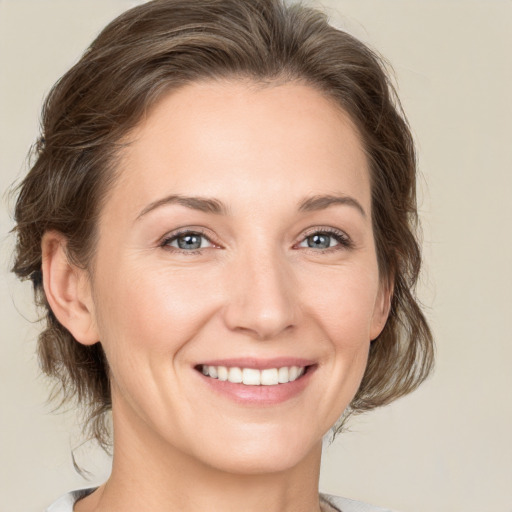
259 395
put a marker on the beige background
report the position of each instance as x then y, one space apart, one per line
446 448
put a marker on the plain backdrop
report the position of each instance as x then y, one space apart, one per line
448 446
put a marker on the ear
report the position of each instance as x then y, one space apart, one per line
67 288
381 309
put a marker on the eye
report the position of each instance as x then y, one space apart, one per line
187 241
326 239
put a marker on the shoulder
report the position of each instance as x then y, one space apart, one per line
348 505
65 503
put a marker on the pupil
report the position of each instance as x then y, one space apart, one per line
189 242
319 241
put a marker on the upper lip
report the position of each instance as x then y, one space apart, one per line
259 364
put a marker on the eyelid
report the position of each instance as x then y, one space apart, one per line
189 230
344 240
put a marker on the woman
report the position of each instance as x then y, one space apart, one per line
220 223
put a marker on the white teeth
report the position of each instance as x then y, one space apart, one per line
222 372
294 373
235 375
253 377
282 375
270 377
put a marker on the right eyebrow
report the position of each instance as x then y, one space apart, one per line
321 202
203 204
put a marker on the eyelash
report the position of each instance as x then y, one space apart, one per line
165 243
342 238
344 241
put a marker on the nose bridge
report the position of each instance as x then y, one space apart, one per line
261 299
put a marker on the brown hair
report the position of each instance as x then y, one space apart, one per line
159 46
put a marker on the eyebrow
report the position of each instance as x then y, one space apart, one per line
211 205
316 203
203 204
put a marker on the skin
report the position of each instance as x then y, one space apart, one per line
255 289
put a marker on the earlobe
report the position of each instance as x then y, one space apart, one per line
67 289
381 309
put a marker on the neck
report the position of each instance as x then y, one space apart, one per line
149 474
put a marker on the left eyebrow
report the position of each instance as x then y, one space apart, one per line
203 204
321 202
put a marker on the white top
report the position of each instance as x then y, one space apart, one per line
337 504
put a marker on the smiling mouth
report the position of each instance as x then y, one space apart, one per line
253 376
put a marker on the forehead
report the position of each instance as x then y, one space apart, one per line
213 138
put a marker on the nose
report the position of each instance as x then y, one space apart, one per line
261 300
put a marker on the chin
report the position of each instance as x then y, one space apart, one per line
261 452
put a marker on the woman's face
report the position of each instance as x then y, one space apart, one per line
238 241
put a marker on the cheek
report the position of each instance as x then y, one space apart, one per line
145 318
160 309
343 302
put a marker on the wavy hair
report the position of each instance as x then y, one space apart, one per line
160 46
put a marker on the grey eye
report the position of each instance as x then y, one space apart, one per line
189 241
319 241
